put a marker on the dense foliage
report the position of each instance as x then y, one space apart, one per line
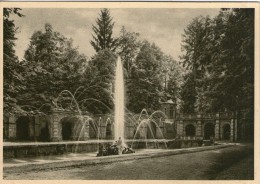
129 45
52 65
97 91
215 73
13 81
219 55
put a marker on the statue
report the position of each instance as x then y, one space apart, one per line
117 148
120 146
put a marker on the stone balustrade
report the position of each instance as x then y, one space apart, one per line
223 115
209 115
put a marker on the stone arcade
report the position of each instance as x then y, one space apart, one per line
62 125
227 126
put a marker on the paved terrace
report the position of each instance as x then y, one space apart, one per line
78 159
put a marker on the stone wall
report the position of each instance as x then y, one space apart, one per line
224 125
51 127
60 125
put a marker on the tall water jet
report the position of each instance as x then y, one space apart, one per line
119 101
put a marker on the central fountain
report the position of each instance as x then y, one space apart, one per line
119 102
119 146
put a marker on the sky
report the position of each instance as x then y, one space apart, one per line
164 27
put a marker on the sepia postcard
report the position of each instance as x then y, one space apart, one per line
130 92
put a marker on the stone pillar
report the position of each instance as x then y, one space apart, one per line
199 126
180 128
217 131
232 129
55 131
12 127
199 129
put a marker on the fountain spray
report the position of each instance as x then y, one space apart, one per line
119 102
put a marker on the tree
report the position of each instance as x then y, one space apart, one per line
145 86
98 86
220 54
52 65
234 77
9 31
197 47
188 94
128 48
196 44
13 71
173 73
102 38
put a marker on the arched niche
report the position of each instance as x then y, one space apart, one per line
209 131
190 130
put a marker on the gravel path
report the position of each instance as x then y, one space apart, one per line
234 162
